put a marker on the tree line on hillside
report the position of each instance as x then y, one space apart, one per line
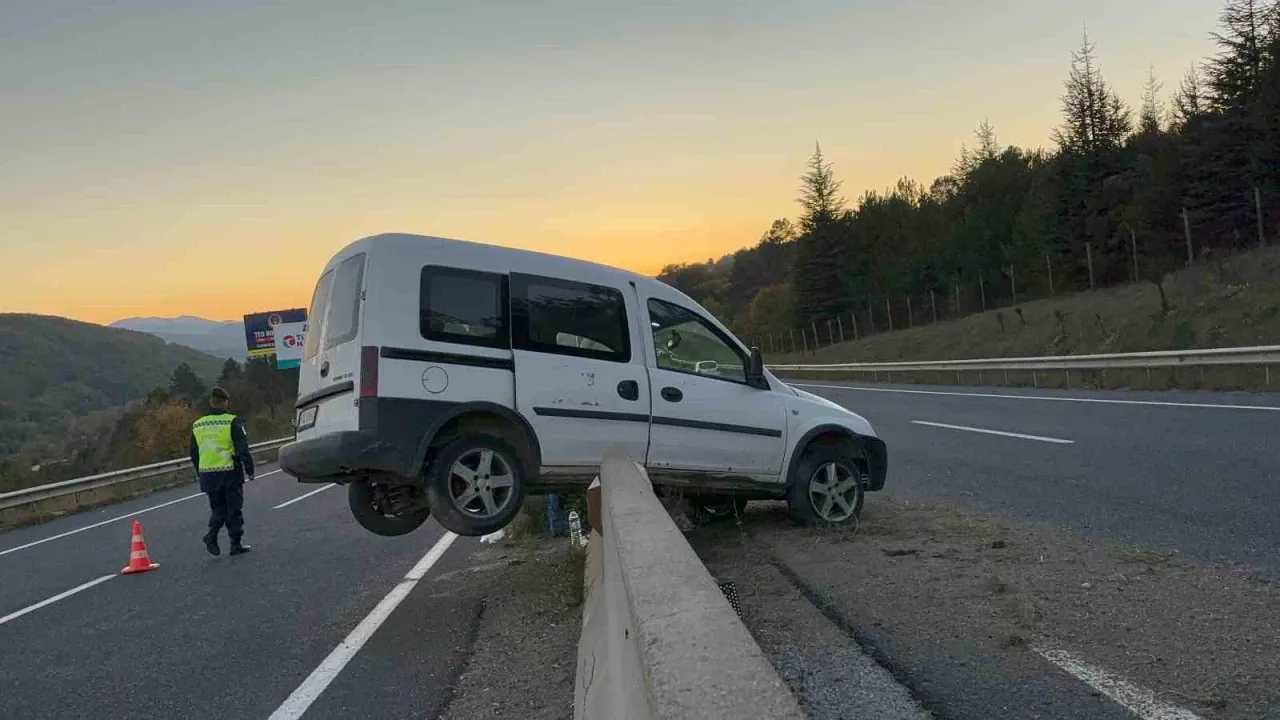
158 428
1123 196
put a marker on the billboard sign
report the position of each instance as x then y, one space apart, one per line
289 338
259 329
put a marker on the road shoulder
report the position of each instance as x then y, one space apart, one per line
956 605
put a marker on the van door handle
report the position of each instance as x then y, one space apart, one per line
629 390
671 394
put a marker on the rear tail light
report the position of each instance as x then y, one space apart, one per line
368 371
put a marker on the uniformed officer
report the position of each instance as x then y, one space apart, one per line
220 452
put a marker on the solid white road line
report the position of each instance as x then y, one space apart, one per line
128 516
304 496
311 688
54 599
1139 700
984 431
1049 398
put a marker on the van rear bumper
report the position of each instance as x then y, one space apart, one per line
341 453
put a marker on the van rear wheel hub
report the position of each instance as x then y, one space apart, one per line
481 482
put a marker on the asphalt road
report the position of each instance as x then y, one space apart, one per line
1190 471
224 637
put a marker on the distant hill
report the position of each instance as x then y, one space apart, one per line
223 339
53 369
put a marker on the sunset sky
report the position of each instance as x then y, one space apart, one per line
166 157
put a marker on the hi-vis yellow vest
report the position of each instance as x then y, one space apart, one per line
213 436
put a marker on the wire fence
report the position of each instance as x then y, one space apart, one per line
1121 261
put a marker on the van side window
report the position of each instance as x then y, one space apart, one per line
685 342
342 321
563 317
467 307
315 316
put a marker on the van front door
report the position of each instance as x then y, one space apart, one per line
706 417
579 380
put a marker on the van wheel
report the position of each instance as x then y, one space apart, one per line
387 510
708 510
475 484
827 488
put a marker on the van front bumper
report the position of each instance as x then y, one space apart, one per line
338 454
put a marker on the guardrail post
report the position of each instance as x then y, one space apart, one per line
1265 368
1035 380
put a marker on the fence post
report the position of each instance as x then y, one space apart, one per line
830 335
871 317
1013 283
840 325
1186 229
854 317
888 311
1133 247
1257 204
793 338
804 343
957 299
1048 263
816 344
933 302
1088 253
911 322
982 291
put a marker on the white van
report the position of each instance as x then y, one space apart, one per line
449 378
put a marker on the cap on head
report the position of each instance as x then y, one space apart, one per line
219 397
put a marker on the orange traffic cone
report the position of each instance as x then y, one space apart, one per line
139 560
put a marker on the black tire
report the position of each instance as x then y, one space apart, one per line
361 500
445 490
714 509
801 502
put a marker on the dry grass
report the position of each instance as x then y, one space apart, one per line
1234 301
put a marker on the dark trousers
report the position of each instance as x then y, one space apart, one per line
225 505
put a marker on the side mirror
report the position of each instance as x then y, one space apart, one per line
755 370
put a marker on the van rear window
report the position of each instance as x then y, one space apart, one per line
342 321
466 307
315 316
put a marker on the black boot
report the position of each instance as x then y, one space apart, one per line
239 548
211 543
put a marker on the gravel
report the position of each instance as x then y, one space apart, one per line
824 668
525 653
954 603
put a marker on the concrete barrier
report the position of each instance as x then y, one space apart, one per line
659 638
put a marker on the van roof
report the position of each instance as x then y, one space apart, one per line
506 258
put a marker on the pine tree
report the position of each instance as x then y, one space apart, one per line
817 271
820 193
1188 101
1152 111
1094 117
988 147
1248 29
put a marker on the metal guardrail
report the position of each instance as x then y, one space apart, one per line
1258 355
27 496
